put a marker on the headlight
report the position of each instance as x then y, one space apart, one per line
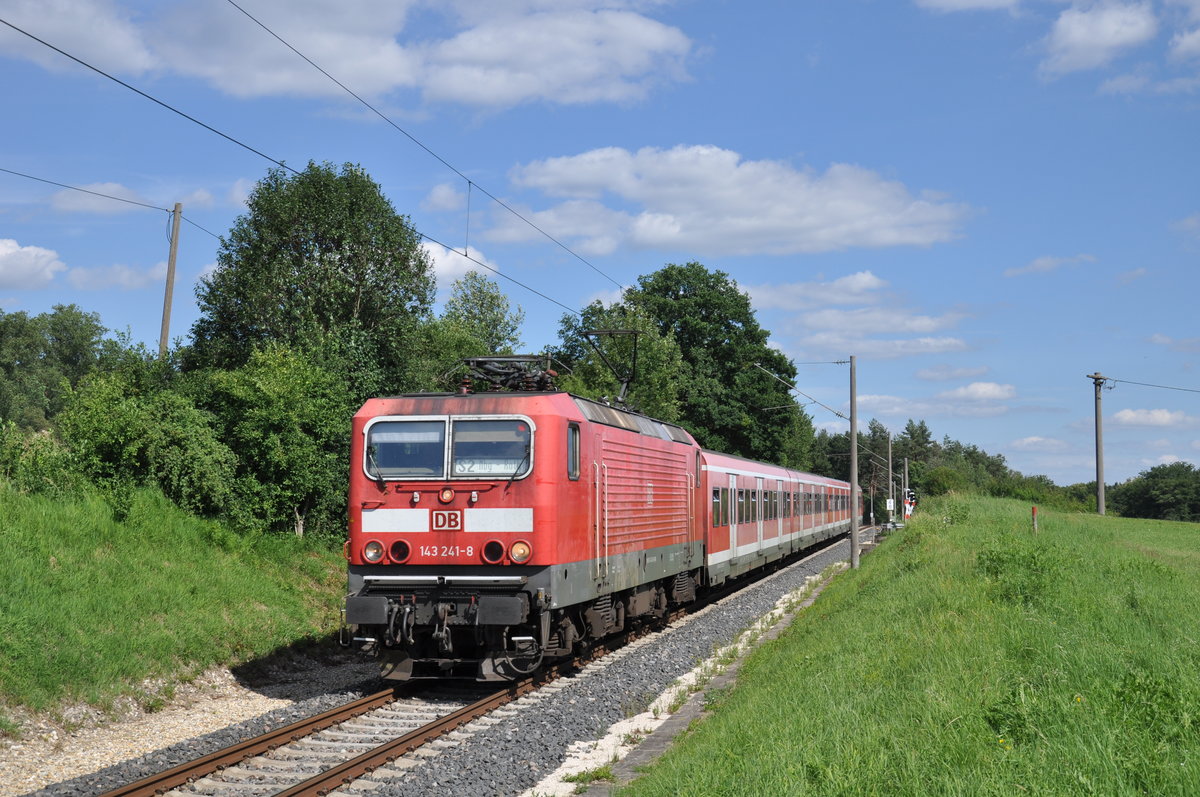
520 551
400 551
373 551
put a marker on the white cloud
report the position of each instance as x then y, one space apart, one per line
946 373
1126 277
96 31
122 277
1176 344
79 202
1040 444
239 192
444 197
709 200
27 266
1185 46
504 55
980 391
1046 264
923 408
1091 37
449 265
838 344
1151 418
561 55
1189 225
860 288
874 320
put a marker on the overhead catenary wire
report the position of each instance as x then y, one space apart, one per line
1146 384
281 164
470 183
106 196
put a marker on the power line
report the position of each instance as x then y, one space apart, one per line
83 190
1146 384
272 160
414 140
106 196
171 108
801 392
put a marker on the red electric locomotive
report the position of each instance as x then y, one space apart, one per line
492 530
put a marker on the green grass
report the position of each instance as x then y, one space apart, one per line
90 606
969 656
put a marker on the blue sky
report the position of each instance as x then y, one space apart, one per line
983 200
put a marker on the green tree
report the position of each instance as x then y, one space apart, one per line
123 436
42 359
1164 492
288 419
730 403
655 390
481 309
320 254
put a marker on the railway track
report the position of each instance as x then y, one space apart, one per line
316 755
332 750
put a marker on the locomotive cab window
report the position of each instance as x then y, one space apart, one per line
500 448
406 449
573 452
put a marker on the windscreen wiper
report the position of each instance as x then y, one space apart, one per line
520 465
374 463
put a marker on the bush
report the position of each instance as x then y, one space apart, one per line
123 438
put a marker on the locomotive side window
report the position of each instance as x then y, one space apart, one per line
406 449
491 448
573 452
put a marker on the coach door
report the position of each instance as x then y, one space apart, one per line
733 516
760 509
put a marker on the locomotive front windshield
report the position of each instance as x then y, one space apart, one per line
499 449
407 450
490 448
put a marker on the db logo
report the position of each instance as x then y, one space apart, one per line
447 520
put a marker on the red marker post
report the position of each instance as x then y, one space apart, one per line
1035 520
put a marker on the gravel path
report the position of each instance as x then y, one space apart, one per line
506 757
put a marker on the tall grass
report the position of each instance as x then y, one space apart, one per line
970 656
90 606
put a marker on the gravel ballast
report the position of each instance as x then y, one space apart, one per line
531 738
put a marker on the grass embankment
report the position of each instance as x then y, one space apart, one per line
91 606
970 656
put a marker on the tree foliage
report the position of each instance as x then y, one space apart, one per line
1164 492
43 358
288 420
656 386
318 254
728 401
481 309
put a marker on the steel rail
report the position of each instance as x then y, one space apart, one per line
355 768
229 756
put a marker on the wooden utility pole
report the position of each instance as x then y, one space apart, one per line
166 316
1098 380
854 511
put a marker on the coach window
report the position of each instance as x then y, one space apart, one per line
573 451
716 507
741 506
725 506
